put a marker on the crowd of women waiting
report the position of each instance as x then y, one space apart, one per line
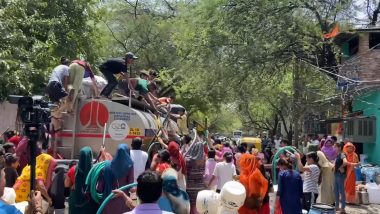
326 170
187 167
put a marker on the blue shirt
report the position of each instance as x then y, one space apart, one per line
290 191
8 209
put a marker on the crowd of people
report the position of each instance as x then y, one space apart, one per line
326 172
322 170
171 175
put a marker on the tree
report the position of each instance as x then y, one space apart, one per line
34 34
373 10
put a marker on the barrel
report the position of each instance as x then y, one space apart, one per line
322 209
358 174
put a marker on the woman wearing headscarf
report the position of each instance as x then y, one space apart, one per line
256 185
328 149
350 184
79 202
177 197
162 161
178 163
195 167
117 173
327 181
45 165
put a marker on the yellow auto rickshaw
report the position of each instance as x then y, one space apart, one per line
252 141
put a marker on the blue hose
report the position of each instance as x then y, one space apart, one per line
110 196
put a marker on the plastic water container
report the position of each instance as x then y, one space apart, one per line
373 193
322 209
363 159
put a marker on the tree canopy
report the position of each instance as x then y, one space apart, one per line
256 61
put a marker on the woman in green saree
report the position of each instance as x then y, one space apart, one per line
79 201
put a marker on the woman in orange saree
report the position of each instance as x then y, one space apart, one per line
255 184
350 183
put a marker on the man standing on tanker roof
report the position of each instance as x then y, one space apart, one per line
58 81
77 71
57 90
115 66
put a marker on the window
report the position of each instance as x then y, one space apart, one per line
349 128
370 128
374 40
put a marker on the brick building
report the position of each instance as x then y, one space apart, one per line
360 85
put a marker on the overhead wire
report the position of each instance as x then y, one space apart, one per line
337 75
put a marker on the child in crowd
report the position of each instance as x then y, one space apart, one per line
11 175
210 167
224 171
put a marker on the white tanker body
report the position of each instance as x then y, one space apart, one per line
86 126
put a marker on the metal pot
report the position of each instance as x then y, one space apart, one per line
363 197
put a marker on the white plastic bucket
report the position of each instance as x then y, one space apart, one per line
208 201
373 193
232 196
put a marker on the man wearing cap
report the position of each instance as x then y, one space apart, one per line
115 66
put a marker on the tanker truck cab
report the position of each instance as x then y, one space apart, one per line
115 118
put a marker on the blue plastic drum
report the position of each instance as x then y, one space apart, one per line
358 174
322 209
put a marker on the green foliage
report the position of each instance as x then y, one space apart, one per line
34 34
222 58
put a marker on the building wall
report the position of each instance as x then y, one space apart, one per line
369 60
368 103
365 65
8 113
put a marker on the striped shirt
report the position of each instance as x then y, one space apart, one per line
310 183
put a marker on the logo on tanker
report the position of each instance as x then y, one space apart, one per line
118 130
94 115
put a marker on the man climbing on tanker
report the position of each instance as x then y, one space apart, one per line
140 88
115 66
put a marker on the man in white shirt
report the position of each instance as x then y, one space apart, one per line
139 158
224 171
59 78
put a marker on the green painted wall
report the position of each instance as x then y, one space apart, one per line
369 104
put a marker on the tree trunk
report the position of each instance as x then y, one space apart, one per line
296 103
